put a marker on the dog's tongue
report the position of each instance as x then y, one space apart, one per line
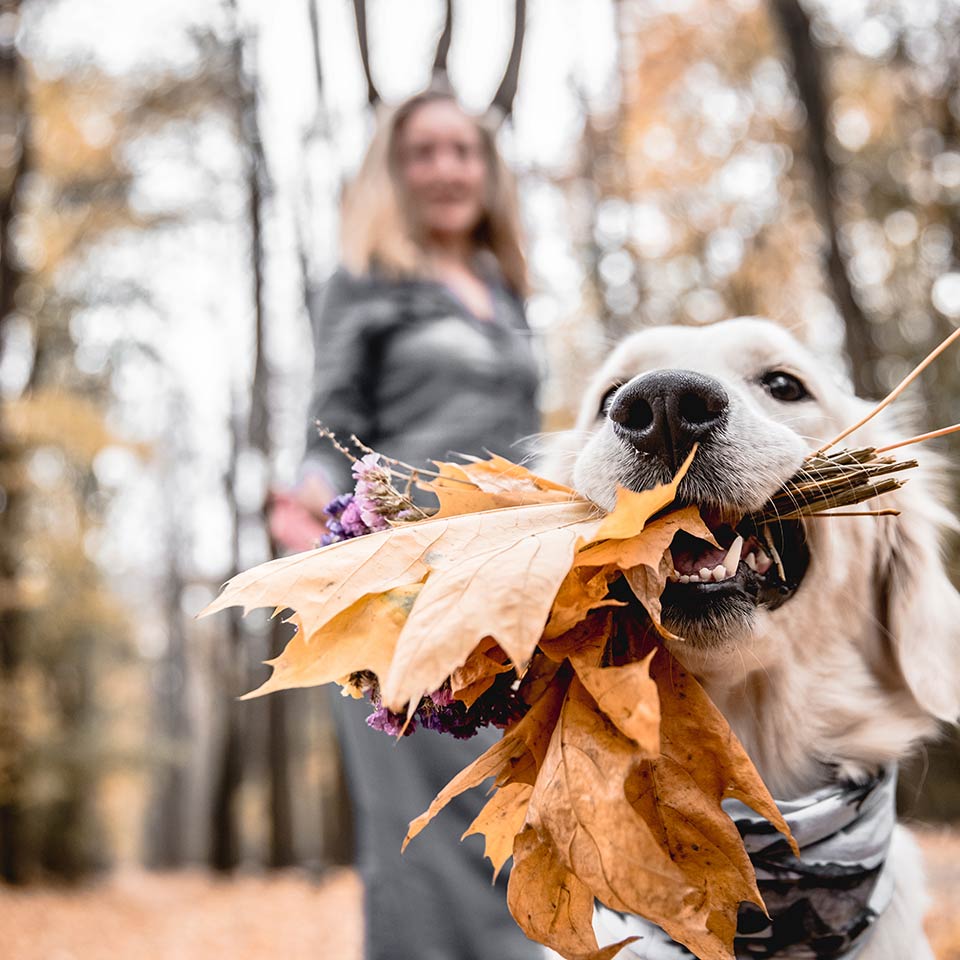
692 557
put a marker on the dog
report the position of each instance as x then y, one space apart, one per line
832 646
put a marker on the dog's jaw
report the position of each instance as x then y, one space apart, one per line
811 689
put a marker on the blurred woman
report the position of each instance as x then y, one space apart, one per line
422 349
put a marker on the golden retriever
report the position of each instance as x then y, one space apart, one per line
831 646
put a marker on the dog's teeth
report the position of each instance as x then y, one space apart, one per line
751 561
719 573
706 573
732 560
684 579
693 578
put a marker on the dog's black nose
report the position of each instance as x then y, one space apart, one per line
665 412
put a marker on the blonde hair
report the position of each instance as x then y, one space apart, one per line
376 232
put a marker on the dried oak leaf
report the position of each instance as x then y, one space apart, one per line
580 809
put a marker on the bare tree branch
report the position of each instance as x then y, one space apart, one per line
809 76
443 46
314 16
502 104
360 12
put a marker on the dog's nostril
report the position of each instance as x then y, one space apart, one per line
635 415
700 409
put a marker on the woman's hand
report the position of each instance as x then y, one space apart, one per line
296 516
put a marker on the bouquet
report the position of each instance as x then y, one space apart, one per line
517 603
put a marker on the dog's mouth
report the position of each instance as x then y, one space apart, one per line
757 564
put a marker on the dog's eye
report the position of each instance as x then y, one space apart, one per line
606 398
784 386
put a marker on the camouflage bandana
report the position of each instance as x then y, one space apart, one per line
822 905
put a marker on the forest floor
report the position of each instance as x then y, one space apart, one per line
191 916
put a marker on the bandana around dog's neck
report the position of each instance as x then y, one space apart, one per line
822 905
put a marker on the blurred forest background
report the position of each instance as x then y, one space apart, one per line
169 183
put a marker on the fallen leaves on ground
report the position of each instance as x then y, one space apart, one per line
609 786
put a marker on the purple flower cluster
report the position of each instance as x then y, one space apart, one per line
439 711
373 503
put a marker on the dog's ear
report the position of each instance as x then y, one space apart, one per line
919 606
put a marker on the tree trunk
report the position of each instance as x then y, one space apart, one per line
14 117
809 74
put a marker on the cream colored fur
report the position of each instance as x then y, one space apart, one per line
819 686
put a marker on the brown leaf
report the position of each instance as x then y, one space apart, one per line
362 637
500 821
551 905
479 670
679 795
582 590
579 808
515 758
628 696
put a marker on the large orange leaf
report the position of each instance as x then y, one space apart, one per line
678 795
579 807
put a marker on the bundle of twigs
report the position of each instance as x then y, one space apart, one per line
836 480
828 481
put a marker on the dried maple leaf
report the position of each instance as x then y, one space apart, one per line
679 796
362 637
513 759
500 821
489 485
551 904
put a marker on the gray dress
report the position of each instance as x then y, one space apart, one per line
406 367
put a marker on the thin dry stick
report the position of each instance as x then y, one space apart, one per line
854 513
932 435
897 390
